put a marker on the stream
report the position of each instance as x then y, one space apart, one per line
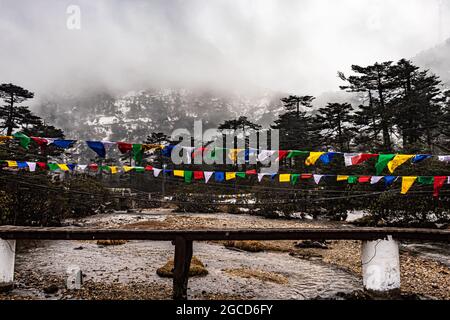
138 261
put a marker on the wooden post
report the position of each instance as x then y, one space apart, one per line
182 263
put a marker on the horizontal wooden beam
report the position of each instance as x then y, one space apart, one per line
75 233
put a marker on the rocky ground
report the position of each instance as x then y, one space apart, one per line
419 275
245 270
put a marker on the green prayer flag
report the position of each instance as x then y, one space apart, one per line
24 140
425 180
139 169
294 178
188 176
212 155
137 153
52 166
240 174
382 162
352 179
296 153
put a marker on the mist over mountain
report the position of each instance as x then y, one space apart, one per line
133 116
437 60
214 61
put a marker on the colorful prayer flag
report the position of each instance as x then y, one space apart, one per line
407 182
219 176
398 160
188 176
438 184
382 162
178 173
208 175
24 140
313 157
230 175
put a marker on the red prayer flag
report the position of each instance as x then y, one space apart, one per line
93 166
306 176
364 179
198 152
42 165
251 172
40 141
282 154
438 184
363 157
198 175
124 147
148 168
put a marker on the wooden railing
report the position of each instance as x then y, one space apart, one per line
183 239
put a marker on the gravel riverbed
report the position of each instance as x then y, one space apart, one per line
281 271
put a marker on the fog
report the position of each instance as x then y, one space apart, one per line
240 45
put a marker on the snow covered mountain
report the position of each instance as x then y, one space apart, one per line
135 115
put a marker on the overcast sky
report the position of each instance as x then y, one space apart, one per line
290 46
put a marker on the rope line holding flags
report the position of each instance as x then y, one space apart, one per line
391 161
220 176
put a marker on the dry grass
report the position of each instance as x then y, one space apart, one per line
197 268
251 246
257 274
111 242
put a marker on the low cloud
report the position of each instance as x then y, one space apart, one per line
239 45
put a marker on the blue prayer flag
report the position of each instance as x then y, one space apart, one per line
219 176
388 180
420 157
64 143
98 147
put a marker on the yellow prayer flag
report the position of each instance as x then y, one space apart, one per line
127 168
113 170
342 178
407 182
398 160
12 163
230 175
5 138
285 177
178 173
63 167
147 147
233 154
313 157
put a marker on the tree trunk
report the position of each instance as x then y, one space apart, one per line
9 122
384 124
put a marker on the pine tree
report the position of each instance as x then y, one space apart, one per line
14 116
242 123
417 106
297 130
335 121
376 82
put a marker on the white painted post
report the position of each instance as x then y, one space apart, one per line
74 278
7 257
381 266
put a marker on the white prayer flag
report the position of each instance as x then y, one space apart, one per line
317 177
265 154
156 172
375 179
348 158
208 175
32 166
